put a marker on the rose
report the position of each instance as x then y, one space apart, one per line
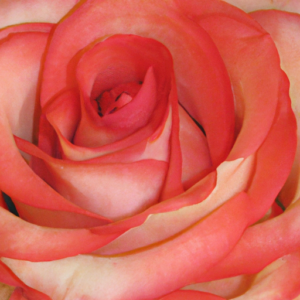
203 229
173 246
214 233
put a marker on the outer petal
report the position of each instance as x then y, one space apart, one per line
248 6
256 94
263 188
25 11
284 29
167 267
23 240
191 295
23 292
227 287
196 161
232 178
280 280
19 77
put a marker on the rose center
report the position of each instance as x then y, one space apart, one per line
113 100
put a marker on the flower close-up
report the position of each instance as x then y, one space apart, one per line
149 150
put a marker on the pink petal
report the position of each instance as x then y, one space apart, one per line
191 295
33 11
64 114
207 242
22 293
112 190
232 178
196 159
248 6
23 240
144 60
259 248
28 27
284 29
226 287
269 177
19 74
255 93
19 77
59 212
279 280
120 179
205 73
265 185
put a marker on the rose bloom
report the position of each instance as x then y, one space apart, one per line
149 148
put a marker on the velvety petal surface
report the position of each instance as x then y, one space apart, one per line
284 29
142 70
248 6
205 72
23 240
19 74
280 280
262 194
255 93
192 295
22 292
196 160
24 11
77 276
227 287
232 178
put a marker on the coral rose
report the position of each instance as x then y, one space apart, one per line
147 150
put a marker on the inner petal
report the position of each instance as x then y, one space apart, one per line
110 101
122 80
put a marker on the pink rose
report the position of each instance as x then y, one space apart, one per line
147 147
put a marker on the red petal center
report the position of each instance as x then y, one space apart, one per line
112 100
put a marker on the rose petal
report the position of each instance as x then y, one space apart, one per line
7 276
145 145
265 185
255 93
191 295
112 190
195 153
132 58
19 77
19 74
75 277
228 287
259 248
248 6
122 123
284 29
83 182
63 115
28 27
269 177
24 11
204 188
23 240
232 178
280 280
